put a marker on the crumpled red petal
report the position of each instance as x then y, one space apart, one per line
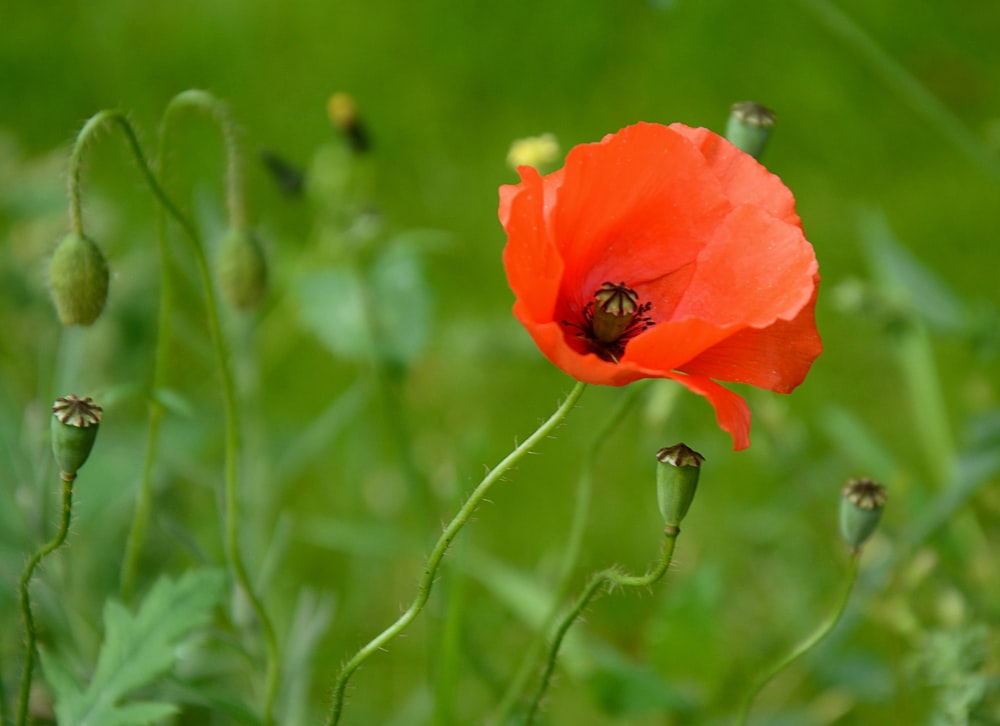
731 412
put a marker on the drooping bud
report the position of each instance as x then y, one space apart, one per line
78 279
749 127
860 510
676 481
75 422
242 269
343 114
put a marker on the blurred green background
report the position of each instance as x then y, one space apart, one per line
888 132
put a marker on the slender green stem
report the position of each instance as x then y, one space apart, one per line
219 111
601 582
161 364
807 644
3 701
94 124
441 547
206 102
906 85
29 621
574 542
222 359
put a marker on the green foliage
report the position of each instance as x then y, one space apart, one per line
873 113
955 663
137 650
384 311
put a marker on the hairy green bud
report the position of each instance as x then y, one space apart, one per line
242 269
78 279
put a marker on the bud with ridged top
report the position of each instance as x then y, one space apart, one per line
75 422
676 482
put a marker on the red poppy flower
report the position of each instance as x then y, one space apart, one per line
664 252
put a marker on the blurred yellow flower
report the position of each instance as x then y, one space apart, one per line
536 151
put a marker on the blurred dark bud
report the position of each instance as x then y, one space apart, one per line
242 269
78 280
749 127
289 178
677 481
860 510
343 114
75 422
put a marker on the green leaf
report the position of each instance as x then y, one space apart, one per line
385 311
403 302
137 650
902 276
138 713
332 306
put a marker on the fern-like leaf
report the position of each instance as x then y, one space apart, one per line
137 650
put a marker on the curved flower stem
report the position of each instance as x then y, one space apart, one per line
29 621
441 547
161 362
237 217
581 512
601 582
806 645
228 390
219 111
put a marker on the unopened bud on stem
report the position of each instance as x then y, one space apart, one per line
78 279
242 269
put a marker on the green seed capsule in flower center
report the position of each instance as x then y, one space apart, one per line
615 306
611 319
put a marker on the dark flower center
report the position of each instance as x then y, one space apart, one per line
611 320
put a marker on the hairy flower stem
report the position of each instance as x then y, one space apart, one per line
807 644
601 582
441 547
581 512
29 621
222 360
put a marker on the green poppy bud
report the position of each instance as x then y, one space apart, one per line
676 481
75 422
861 510
242 269
749 127
78 279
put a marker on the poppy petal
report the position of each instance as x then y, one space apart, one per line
731 412
777 357
755 270
552 341
533 264
635 205
744 179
